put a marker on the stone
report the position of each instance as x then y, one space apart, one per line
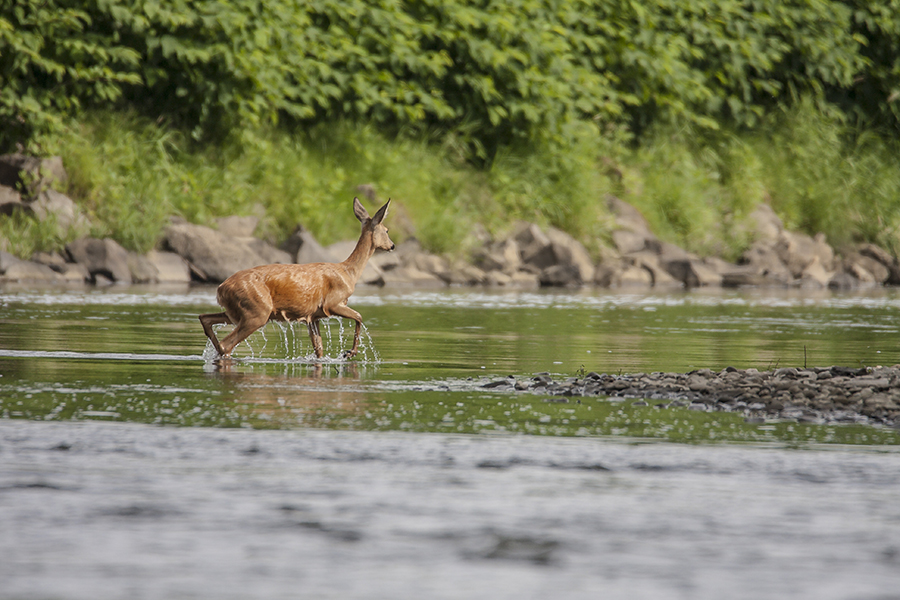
500 256
104 258
31 175
235 226
536 247
798 250
814 275
692 273
303 248
50 203
628 242
569 252
411 277
10 200
763 258
268 252
213 256
13 268
466 274
170 267
865 268
142 270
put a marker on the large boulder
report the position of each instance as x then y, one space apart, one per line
560 259
52 204
213 257
102 258
170 267
13 268
303 248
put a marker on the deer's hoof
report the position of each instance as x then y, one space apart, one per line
348 354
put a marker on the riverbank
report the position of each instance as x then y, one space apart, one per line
525 256
814 395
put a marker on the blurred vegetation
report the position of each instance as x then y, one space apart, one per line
470 112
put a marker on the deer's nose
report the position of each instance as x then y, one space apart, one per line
392 247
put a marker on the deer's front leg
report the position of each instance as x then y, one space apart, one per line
349 313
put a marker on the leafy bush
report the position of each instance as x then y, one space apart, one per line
490 73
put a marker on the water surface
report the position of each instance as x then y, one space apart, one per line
131 466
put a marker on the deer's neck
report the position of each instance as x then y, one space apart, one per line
357 260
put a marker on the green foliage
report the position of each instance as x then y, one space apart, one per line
492 74
23 235
51 62
819 174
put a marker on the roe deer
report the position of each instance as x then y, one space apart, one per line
253 297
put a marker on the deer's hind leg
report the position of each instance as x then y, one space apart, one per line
315 337
214 319
242 330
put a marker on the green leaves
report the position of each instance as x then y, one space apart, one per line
492 73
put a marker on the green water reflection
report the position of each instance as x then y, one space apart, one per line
136 356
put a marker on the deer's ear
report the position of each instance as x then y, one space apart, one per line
382 213
359 210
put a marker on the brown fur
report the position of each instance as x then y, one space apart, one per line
253 297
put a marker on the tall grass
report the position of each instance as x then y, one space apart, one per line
819 174
696 188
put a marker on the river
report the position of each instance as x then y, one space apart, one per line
130 466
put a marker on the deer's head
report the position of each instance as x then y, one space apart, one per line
380 238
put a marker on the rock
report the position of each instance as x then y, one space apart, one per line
50 203
843 281
466 274
10 200
31 175
239 227
142 270
497 279
798 250
535 247
524 280
814 275
740 276
268 252
631 276
569 252
865 268
500 256
411 277
628 218
434 264
763 258
104 258
628 242
766 225
13 268
560 276
303 248
693 273
170 268
213 256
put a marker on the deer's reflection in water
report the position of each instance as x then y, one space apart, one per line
293 393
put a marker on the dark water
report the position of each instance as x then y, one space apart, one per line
131 467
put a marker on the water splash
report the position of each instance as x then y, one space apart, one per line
292 344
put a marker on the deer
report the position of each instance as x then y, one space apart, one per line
291 292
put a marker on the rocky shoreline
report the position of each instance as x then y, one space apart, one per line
526 257
818 395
